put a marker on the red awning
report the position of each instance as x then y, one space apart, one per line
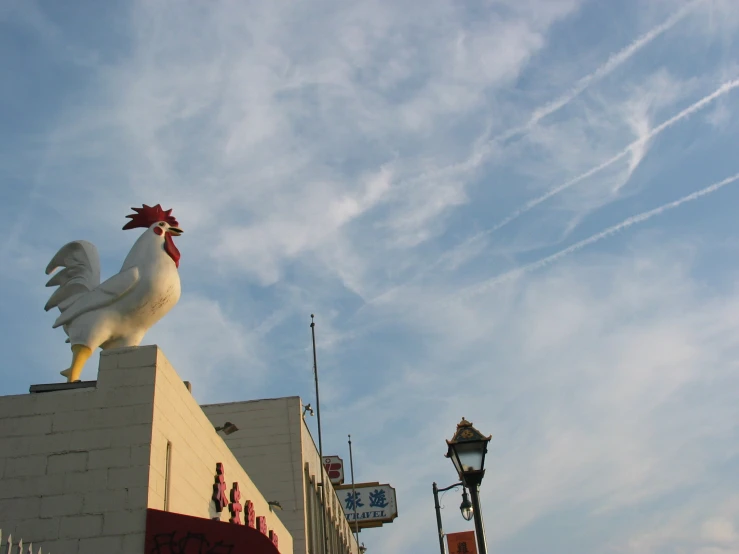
169 533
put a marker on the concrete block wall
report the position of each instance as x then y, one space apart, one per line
273 445
195 449
78 468
74 464
267 445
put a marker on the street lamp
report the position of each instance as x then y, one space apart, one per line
465 507
467 450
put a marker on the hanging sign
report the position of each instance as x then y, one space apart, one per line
335 469
373 503
462 543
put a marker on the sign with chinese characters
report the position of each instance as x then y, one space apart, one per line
236 507
462 543
335 469
373 503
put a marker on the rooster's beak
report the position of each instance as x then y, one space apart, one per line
175 231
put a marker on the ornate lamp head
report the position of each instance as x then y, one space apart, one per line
467 451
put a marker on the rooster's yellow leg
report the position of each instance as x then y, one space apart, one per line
80 355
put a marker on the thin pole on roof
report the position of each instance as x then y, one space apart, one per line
354 493
320 441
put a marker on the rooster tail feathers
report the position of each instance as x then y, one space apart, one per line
80 275
103 295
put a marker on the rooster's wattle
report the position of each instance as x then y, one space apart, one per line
119 311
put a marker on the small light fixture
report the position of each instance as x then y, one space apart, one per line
466 506
227 428
362 549
274 504
308 409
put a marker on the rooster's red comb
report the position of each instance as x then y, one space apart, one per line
146 216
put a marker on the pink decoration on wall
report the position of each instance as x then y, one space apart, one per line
251 516
219 489
236 507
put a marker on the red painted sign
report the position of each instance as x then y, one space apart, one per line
262 525
251 517
236 507
168 533
219 489
462 543
334 468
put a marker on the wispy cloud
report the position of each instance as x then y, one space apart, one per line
322 156
626 223
579 396
636 110
633 149
485 145
609 66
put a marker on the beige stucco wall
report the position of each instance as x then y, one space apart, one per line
267 445
274 445
75 464
78 468
195 451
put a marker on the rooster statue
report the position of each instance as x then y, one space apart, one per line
119 311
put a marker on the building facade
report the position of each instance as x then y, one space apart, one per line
106 466
276 448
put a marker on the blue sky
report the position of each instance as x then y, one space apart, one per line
490 207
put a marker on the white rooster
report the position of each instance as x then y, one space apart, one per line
119 311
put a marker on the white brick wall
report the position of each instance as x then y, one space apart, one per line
78 468
60 453
196 449
273 445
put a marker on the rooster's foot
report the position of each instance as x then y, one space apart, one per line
80 354
66 373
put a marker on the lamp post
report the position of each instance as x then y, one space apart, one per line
465 508
467 450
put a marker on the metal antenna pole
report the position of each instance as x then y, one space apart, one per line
320 441
354 494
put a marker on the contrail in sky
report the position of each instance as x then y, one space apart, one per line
611 64
606 68
477 289
702 103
